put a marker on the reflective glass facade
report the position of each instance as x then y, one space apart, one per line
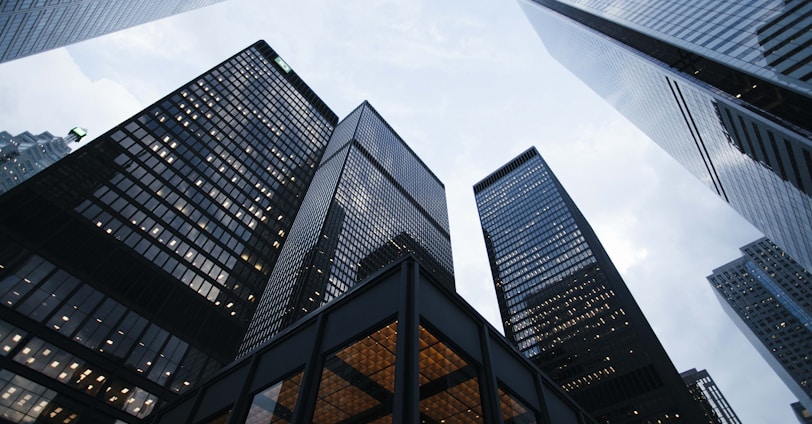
696 77
565 306
767 38
26 154
400 348
32 26
767 294
130 269
372 200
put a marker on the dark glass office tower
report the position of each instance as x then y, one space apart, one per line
23 155
565 306
767 295
372 200
130 269
33 26
705 392
401 348
724 87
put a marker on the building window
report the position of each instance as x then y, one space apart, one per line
358 382
449 390
276 403
513 410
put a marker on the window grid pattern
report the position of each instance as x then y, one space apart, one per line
750 160
25 154
768 292
212 178
769 38
562 303
356 218
86 317
23 401
32 26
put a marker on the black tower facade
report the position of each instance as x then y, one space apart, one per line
372 201
130 270
566 307
398 348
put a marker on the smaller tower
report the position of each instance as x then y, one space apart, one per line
24 155
709 397
566 307
767 294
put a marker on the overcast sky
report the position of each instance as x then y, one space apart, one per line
469 86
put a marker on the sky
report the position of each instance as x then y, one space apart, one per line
469 86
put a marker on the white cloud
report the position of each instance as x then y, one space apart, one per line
48 92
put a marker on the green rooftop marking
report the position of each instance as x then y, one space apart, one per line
282 64
80 132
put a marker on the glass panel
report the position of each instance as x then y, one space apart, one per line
358 382
514 411
131 399
23 401
449 391
275 404
10 336
61 366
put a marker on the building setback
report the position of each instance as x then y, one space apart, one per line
803 414
767 294
372 200
705 391
565 306
25 154
130 270
28 27
724 87
400 347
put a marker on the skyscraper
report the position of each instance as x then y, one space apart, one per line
401 348
707 394
372 200
28 27
767 295
25 154
725 87
130 269
564 304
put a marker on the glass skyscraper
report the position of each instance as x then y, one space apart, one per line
372 200
767 295
33 26
25 154
564 304
401 348
130 269
707 393
725 87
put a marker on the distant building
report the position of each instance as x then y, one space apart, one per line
566 307
707 394
767 294
724 87
803 414
25 154
400 347
372 200
28 26
130 269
